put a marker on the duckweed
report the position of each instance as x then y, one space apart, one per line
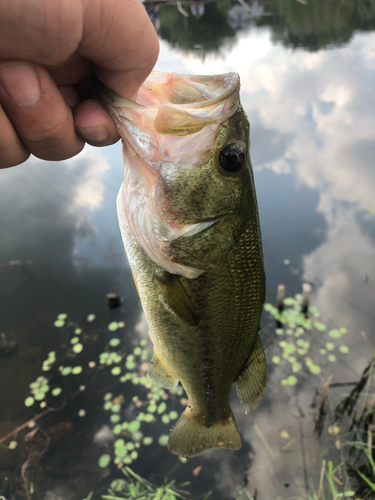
295 325
104 460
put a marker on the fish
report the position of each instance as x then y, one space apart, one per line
189 220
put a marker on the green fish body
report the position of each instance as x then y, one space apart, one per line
189 220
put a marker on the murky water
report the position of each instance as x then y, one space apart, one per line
307 71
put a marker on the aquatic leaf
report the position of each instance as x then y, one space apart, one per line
113 326
297 367
39 395
115 418
116 408
320 326
117 429
108 396
44 388
149 417
62 316
289 301
120 324
90 317
292 380
335 334
134 455
330 346
322 351
77 348
276 359
147 440
77 370
114 342
308 361
343 330
137 436
59 323
183 459
56 391
284 434
82 387
78 331
137 351
29 401
161 408
130 365
315 369
286 262
332 358
163 440
143 343
121 452
279 331
165 419
12 445
118 485
344 349
82 413
107 405
134 426
116 370
74 340
127 460
130 446
104 460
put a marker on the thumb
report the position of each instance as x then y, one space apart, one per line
120 39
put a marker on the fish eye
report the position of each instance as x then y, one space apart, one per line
232 158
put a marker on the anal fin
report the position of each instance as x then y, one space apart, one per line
177 297
252 380
159 374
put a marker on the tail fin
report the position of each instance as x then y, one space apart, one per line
190 437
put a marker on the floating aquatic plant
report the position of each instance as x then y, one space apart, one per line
145 410
296 350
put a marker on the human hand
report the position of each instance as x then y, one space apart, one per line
48 52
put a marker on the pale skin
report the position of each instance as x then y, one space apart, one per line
49 50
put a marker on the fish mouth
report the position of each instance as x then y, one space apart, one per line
173 105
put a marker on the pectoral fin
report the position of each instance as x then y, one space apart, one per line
159 374
176 297
252 380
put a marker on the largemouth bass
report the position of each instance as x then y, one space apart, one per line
189 220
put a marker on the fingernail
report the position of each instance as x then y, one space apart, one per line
95 134
20 81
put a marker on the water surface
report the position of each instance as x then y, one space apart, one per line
307 85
